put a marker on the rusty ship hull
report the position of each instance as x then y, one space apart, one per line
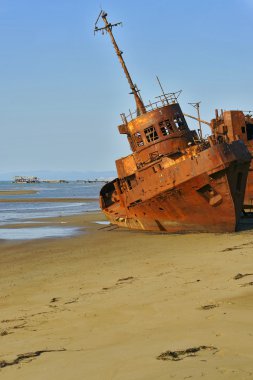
174 180
172 199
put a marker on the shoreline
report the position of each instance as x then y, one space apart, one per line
75 220
47 200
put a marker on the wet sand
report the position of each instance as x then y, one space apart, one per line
114 304
17 192
47 200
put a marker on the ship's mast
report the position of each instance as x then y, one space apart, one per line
197 106
108 28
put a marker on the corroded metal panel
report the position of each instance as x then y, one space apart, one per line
126 166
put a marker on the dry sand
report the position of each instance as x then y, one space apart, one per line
105 304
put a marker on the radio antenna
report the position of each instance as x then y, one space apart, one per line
196 105
108 29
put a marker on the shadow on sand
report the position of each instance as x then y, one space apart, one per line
246 222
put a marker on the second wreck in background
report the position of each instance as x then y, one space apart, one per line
230 126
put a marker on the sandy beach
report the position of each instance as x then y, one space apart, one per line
137 114
115 304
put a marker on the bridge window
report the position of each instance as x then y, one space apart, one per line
138 139
166 127
151 134
180 122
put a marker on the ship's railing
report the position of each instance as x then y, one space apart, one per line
163 100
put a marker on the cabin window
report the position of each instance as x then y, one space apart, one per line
151 134
138 139
249 129
180 122
243 129
166 127
131 181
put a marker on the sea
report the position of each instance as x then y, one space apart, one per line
25 212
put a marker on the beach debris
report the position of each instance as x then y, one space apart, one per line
238 276
237 247
247 284
73 300
26 356
229 249
192 282
120 281
182 354
125 279
4 332
54 299
208 307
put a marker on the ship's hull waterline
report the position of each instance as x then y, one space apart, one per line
206 196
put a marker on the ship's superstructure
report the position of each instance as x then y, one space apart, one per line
173 180
230 126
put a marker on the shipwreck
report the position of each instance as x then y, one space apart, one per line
174 180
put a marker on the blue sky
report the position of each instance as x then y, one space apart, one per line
62 89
